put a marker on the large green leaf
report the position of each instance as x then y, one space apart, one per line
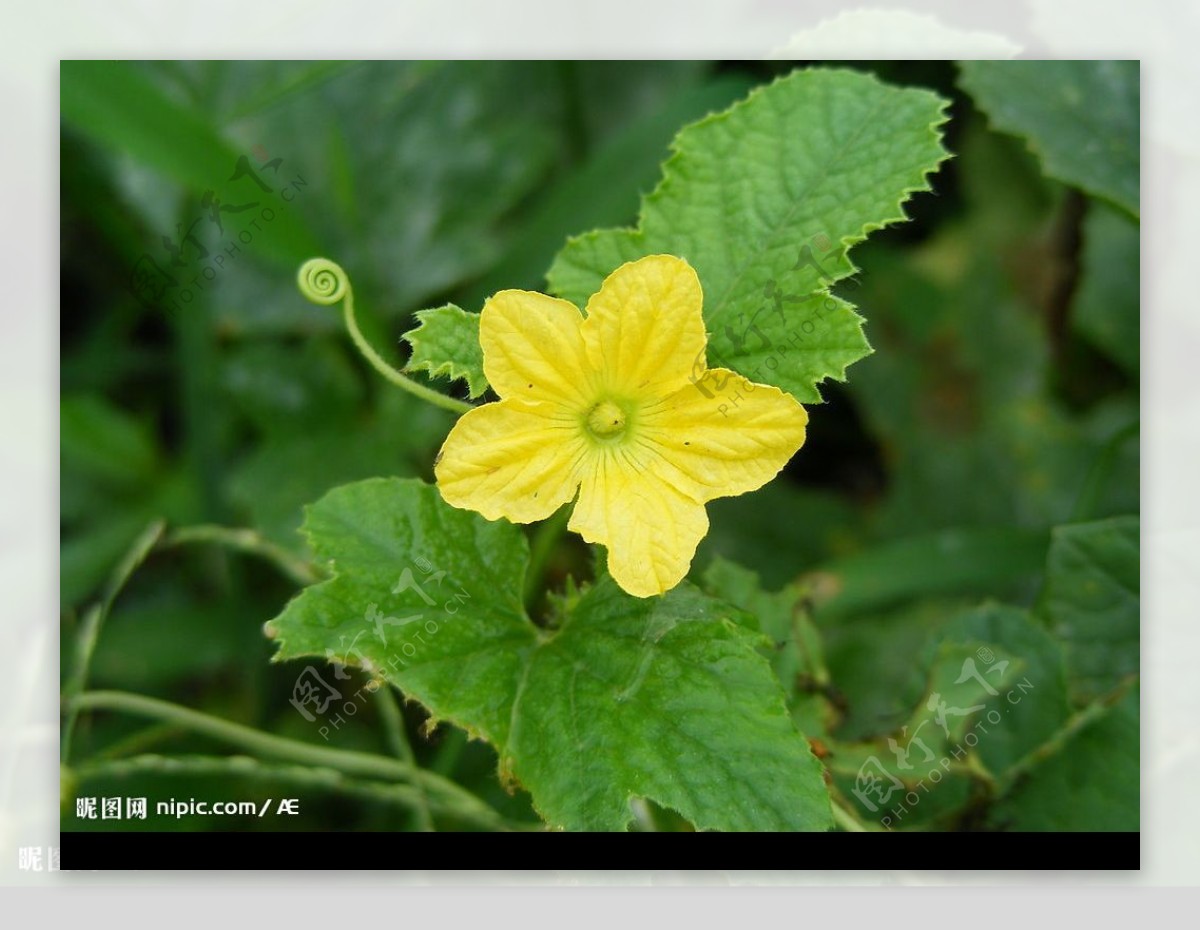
1089 782
928 752
1092 602
1081 117
794 644
994 694
765 200
1030 698
664 698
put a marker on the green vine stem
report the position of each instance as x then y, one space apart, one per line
325 282
351 762
545 540
89 631
249 542
1062 737
846 821
393 725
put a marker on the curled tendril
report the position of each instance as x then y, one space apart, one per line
322 281
326 283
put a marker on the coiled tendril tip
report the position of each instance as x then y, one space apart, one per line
323 281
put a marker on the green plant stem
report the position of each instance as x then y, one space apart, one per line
351 762
445 760
93 620
138 742
545 539
398 742
391 374
248 541
1059 739
845 820
325 282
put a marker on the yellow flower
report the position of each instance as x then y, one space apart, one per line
619 407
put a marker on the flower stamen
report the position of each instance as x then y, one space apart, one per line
606 420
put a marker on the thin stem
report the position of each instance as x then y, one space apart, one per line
808 639
445 759
138 742
974 767
846 820
398 742
1059 739
325 282
545 539
391 374
89 631
265 744
250 542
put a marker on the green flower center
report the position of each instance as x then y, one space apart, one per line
606 420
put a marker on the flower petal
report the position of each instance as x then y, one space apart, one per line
644 330
510 459
533 347
650 529
722 436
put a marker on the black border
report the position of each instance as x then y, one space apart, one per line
334 851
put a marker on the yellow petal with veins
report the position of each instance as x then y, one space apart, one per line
650 529
723 435
511 459
644 331
533 348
